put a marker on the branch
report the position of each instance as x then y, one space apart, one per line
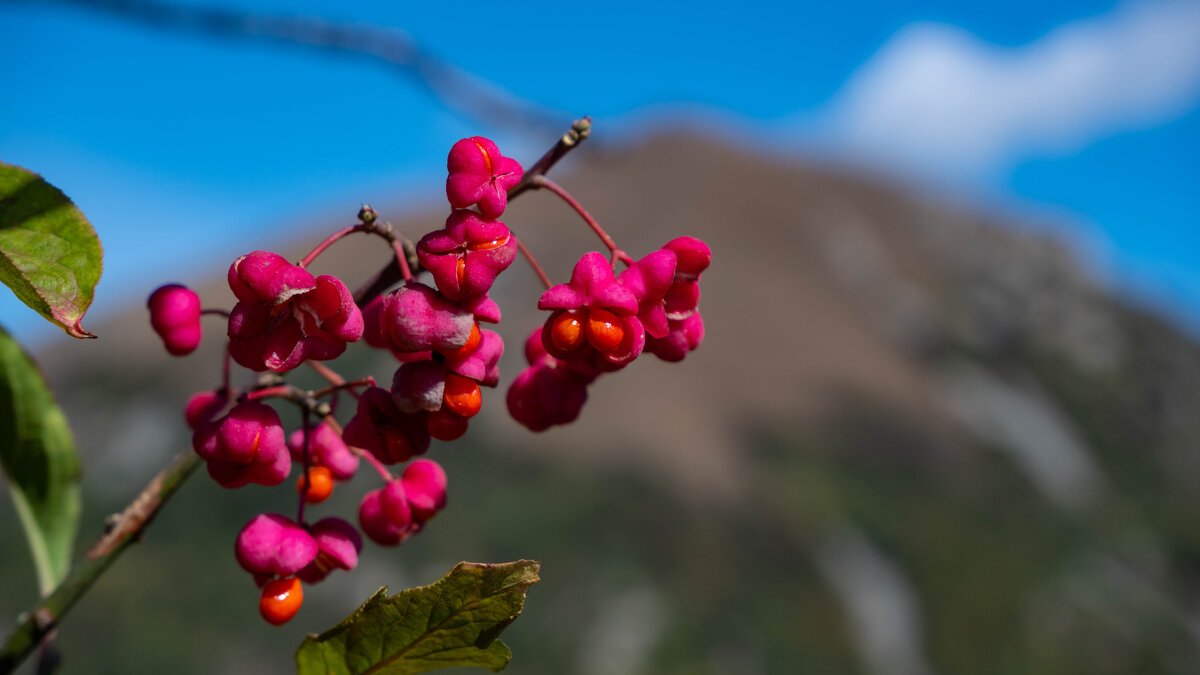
387 277
122 531
579 132
444 82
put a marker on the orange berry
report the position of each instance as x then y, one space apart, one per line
320 484
460 271
281 599
469 348
566 332
604 330
462 395
485 245
445 425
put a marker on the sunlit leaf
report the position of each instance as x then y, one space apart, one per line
49 253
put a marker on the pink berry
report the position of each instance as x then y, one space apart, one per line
550 391
445 425
484 308
650 279
373 333
542 396
262 276
284 316
203 406
338 546
417 318
385 515
483 364
419 386
684 336
682 299
467 255
614 336
684 329
380 428
175 316
694 255
424 483
271 544
479 174
327 449
245 446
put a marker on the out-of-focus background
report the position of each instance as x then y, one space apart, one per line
945 419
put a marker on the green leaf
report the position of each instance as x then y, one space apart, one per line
453 622
49 253
37 454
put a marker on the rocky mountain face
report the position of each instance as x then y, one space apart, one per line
914 441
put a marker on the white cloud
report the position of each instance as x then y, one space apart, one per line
940 99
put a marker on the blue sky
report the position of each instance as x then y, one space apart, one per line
174 143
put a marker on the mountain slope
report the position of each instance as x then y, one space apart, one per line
914 440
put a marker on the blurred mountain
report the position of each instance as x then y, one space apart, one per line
915 440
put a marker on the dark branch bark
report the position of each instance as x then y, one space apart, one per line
445 82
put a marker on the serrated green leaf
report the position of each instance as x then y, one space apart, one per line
49 253
37 454
452 622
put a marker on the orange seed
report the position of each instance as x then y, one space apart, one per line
445 425
280 600
604 330
462 395
566 332
320 484
469 348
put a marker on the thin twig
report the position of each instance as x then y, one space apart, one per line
373 461
363 454
402 259
328 241
279 391
304 426
332 377
402 267
325 391
578 133
444 82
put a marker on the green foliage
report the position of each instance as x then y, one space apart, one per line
452 622
49 253
37 454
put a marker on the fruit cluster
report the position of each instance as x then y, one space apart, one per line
599 322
